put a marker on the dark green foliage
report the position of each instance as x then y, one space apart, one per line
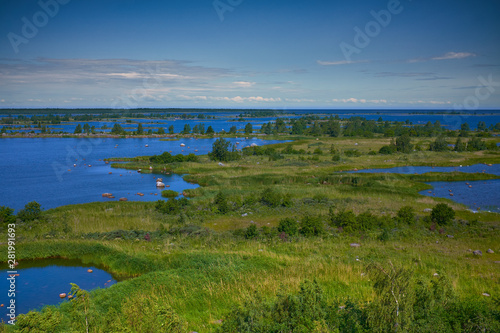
460 146
311 226
403 144
169 194
172 206
251 232
46 321
78 129
248 128
171 129
406 215
7 215
304 312
464 130
117 129
442 214
187 129
233 130
287 200
140 129
387 150
221 203
220 151
271 197
210 130
343 219
318 151
32 211
352 153
439 144
289 226
161 131
166 157
476 144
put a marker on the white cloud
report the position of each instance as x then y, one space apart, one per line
360 100
239 99
2 100
447 56
336 63
454 55
243 84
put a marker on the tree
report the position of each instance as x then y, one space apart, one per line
248 128
464 130
171 129
7 215
233 130
403 144
220 151
161 131
187 129
86 128
78 129
117 129
442 214
251 232
140 130
210 130
481 126
476 144
439 145
460 146
32 211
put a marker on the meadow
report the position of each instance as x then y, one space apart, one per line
191 264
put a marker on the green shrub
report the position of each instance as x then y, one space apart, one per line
344 219
406 215
442 214
311 226
387 150
352 153
172 206
289 226
251 232
271 198
32 211
221 203
169 194
6 215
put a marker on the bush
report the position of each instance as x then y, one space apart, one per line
6 215
287 200
220 202
352 153
387 150
251 232
271 198
288 226
312 226
344 219
169 194
442 214
31 212
406 215
220 151
172 206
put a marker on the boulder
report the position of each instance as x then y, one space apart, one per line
427 210
478 253
123 199
490 251
354 245
486 294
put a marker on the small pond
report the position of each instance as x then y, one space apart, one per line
41 281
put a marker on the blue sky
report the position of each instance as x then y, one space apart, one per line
250 54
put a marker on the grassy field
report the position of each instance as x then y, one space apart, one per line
200 264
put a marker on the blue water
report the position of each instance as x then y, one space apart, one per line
407 170
40 282
224 120
483 195
43 170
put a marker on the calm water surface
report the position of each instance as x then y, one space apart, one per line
56 172
40 282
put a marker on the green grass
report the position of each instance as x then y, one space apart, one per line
196 263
